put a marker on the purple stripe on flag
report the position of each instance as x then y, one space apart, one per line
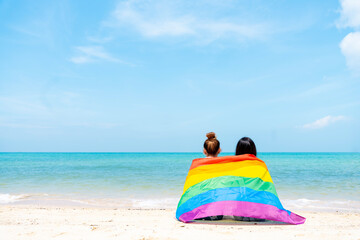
245 209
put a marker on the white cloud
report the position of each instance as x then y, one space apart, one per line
153 20
323 122
152 26
350 13
91 54
81 59
350 47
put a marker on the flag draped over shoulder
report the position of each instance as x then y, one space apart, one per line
231 185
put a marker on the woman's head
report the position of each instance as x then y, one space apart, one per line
211 145
245 146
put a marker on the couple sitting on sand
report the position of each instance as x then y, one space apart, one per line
212 149
238 187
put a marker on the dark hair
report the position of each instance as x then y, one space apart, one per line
211 144
245 146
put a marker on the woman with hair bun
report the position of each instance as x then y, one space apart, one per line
211 145
211 150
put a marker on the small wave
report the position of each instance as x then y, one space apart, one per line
322 205
145 203
155 203
10 198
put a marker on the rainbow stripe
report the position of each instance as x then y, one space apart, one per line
231 185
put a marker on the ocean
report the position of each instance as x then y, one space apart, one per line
304 181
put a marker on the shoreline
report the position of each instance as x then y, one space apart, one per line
74 222
168 202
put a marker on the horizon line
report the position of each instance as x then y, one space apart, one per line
164 152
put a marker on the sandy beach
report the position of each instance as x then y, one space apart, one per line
49 222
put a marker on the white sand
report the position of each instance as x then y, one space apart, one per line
36 222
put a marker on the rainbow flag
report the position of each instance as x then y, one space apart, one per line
232 185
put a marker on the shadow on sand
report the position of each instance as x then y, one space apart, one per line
239 223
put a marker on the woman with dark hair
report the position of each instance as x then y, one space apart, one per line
245 146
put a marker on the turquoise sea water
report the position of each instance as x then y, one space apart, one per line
324 181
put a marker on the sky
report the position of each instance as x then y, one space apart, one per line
156 76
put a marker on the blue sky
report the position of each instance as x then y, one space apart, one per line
158 75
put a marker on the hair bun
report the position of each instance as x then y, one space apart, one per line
210 135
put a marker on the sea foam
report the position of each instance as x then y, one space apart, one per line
322 205
10 198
